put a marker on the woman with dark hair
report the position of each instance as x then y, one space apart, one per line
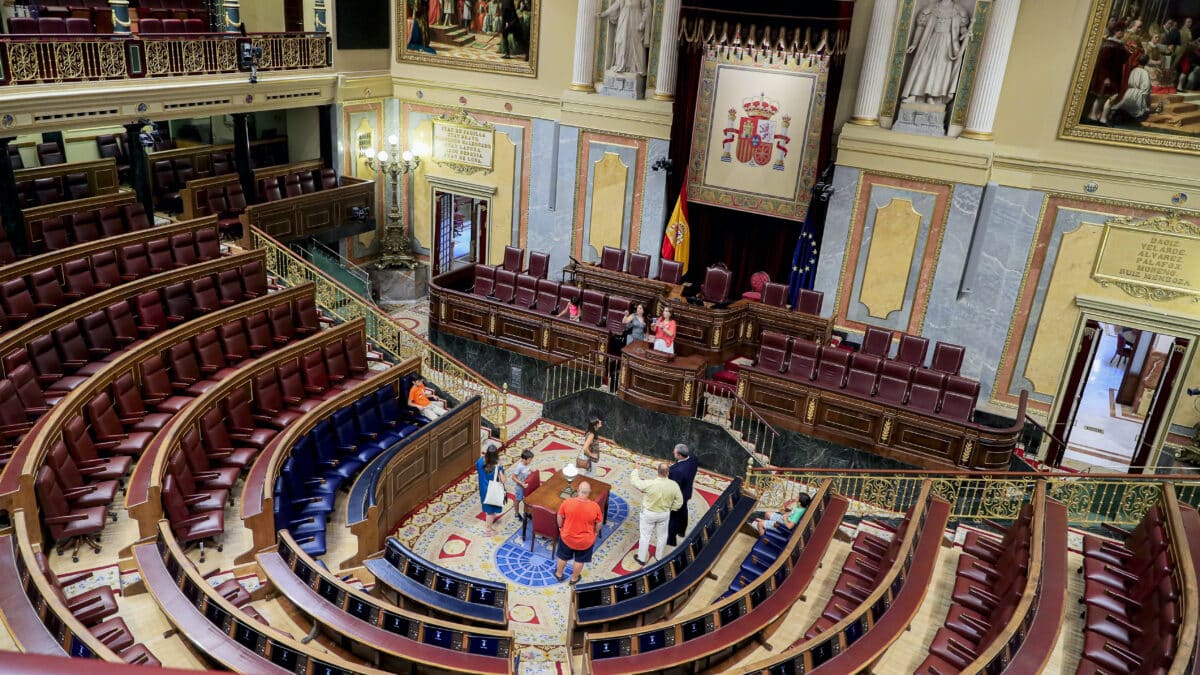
589 454
635 324
488 467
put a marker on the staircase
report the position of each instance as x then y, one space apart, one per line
451 35
1180 113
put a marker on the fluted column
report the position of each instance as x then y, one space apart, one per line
993 63
231 16
668 53
582 77
120 16
875 62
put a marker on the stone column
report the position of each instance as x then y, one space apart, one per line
231 19
582 77
10 214
668 52
871 81
120 16
993 62
319 24
139 167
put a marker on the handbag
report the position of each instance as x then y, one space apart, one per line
495 491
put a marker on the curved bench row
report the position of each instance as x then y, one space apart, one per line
709 635
660 587
419 584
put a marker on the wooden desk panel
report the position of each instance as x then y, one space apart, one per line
650 380
650 292
760 317
711 333
896 432
101 174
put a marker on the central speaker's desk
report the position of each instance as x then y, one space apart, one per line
659 382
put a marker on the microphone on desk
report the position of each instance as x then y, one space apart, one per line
574 261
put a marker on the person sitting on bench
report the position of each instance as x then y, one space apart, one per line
795 511
423 399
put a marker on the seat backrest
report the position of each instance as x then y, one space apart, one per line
183 249
615 314
312 366
772 352
258 330
547 296
208 246
76 186
565 293
865 362
172 26
758 280
45 288
957 406
229 287
670 271
194 26
514 259
282 326
71 346
254 278
539 264
102 416
335 361
832 368
51 500
235 198
809 301
306 314
17 301
774 294
133 260
912 349
158 254
233 339
55 234
716 284
238 410
612 258
107 146
485 280
22 25
208 350
150 26
506 285
97 331
111 221
120 317
291 186
182 361
802 364
135 217
128 397
928 378
150 311
947 358
329 179
591 309
12 413
77 277
963 385
891 389
876 342
924 398
80 26
526 291
51 153
307 184
291 383
639 265
269 188
545 522
861 382
85 226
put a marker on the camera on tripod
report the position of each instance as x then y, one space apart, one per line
249 55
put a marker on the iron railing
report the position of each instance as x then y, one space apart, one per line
718 402
1090 499
42 59
392 339
332 263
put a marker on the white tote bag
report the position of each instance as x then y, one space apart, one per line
495 490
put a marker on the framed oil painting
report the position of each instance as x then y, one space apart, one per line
494 36
1137 79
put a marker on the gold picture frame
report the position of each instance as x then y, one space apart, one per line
1079 119
488 58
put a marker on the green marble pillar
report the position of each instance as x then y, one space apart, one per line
232 22
319 16
120 13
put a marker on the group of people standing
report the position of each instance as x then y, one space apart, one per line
662 328
510 19
1135 62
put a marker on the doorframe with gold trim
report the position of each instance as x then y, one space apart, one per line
1142 318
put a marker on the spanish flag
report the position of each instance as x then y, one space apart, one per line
678 237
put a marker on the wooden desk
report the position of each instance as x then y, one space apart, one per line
549 493
650 292
650 380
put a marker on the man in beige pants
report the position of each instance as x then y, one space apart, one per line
662 496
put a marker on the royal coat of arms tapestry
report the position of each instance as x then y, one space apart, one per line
758 131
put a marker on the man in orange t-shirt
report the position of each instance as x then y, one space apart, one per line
579 523
419 397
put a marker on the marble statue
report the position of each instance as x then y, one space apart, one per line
938 43
629 35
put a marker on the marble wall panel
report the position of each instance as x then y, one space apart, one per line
551 211
836 235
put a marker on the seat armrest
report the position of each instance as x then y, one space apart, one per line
69 518
99 351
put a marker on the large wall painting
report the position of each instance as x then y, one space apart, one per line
758 132
495 36
1137 79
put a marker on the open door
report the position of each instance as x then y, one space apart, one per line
1157 415
443 253
1073 393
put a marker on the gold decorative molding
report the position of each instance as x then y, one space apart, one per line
885 279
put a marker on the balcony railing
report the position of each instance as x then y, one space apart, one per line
44 59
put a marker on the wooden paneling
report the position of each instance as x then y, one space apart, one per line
310 214
101 174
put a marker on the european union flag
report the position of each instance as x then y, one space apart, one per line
804 259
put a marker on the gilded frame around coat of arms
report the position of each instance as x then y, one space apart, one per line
488 58
1087 86
757 132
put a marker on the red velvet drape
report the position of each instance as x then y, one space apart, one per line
746 242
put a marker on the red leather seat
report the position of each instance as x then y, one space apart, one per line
591 309
65 523
526 293
186 376
876 342
204 295
14 422
77 279
670 271
233 341
196 498
639 265
547 297
239 416
957 407
210 355
1117 552
89 607
80 493
135 217
204 471
229 287
316 378
29 392
219 445
254 279
51 153
17 301
758 281
356 356
134 263
615 315
717 280
183 249
809 301
772 352
111 221
928 378
105 270
329 179
208 246
158 255
149 26
151 316
861 382
44 358
912 349
124 326
291 186
190 527
75 186
258 330
612 259
131 407
947 358
108 432
923 398
775 294
565 293
308 318
73 351
832 368
282 327
506 286
485 281
179 303
307 184
539 265
87 457
269 407
336 363
514 259
47 292
55 234
802 364
291 386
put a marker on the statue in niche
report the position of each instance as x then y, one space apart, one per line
628 40
937 48
629 35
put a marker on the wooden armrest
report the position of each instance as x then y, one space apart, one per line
69 518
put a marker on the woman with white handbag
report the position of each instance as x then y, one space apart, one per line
491 487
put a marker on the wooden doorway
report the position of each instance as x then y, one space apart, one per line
460 234
293 16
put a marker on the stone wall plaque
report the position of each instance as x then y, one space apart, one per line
463 143
1155 259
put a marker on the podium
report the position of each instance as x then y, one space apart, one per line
661 381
